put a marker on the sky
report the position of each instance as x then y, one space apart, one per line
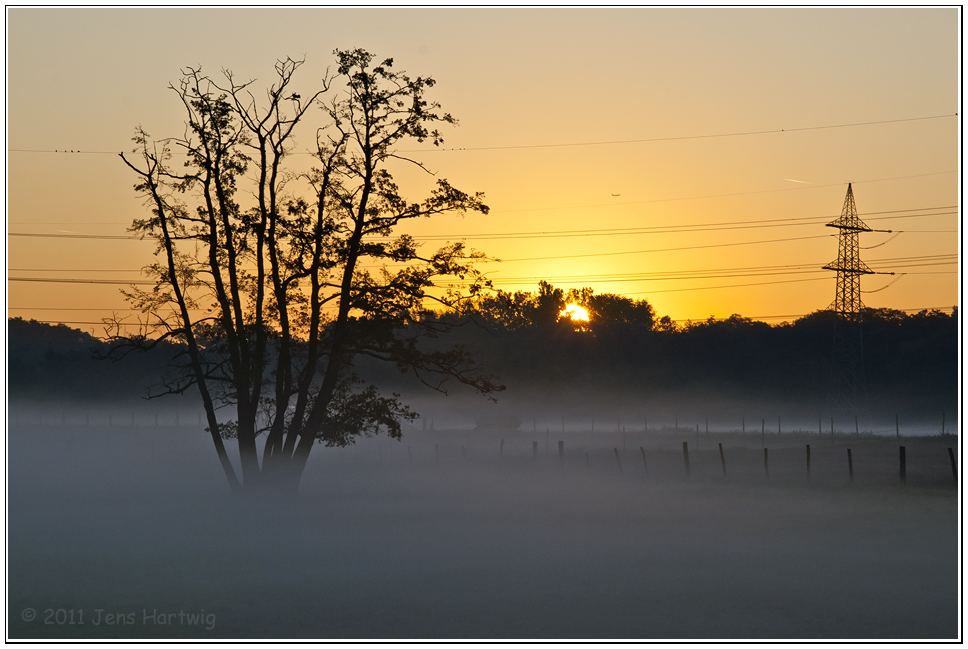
689 157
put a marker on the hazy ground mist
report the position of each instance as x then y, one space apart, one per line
444 535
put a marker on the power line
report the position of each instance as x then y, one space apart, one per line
72 236
61 280
943 309
74 270
636 252
578 144
685 137
690 198
656 229
751 271
63 308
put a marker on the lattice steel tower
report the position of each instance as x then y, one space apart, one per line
848 386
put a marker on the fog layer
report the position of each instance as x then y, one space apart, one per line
458 534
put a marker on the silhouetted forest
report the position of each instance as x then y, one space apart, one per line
911 361
56 362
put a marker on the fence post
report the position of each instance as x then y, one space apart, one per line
954 467
903 465
766 461
685 455
850 466
808 461
722 458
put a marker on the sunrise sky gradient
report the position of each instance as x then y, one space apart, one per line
571 121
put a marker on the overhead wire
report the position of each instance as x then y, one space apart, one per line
657 229
594 143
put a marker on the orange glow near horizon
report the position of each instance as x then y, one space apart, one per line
640 186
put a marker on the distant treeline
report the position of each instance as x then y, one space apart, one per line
56 362
911 361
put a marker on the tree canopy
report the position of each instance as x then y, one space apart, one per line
276 276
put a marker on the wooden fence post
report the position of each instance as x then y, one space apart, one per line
903 460
685 455
850 466
954 467
722 458
766 461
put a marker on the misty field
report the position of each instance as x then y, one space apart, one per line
131 530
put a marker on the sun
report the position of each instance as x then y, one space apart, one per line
574 313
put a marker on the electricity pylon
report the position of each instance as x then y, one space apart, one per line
848 387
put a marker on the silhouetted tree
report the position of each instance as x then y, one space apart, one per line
260 269
549 304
